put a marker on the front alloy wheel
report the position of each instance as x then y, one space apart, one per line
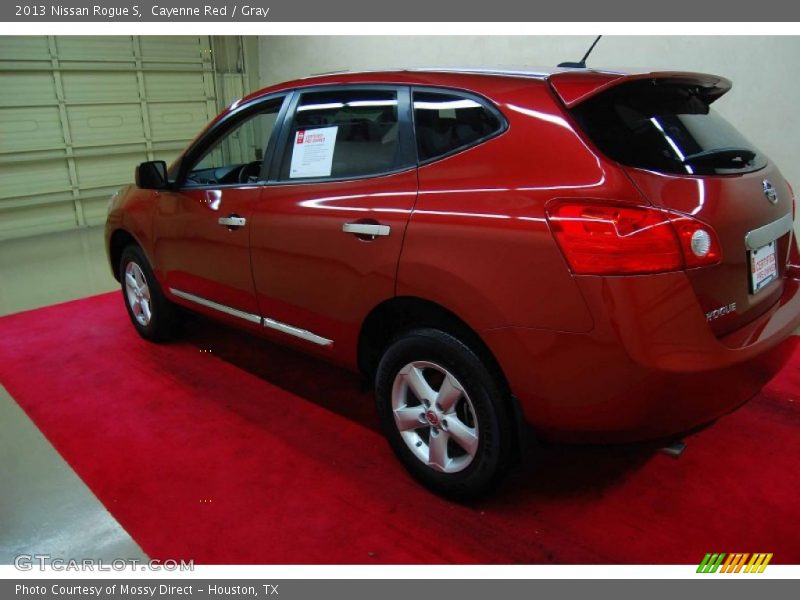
154 317
138 294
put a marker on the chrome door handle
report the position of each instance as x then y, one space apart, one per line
232 221
366 229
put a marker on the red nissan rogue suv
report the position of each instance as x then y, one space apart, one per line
589 255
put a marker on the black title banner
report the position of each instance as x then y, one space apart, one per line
408 10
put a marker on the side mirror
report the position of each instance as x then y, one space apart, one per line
152 175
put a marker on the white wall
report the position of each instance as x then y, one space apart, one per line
765 70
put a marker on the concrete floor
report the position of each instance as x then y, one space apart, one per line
44 506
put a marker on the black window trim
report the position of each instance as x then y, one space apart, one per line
406 157
276 146
221 128
483 101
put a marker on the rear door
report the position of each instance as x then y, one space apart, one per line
684 156
327 232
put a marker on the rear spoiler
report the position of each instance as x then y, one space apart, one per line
576 86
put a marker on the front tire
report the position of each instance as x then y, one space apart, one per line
444 414
153 316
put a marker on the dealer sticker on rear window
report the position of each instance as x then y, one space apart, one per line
763 267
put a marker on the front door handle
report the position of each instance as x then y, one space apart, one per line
232 221
366 229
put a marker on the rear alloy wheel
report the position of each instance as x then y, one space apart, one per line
154 317
435 417
443 414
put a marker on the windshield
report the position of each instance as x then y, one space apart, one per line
666 127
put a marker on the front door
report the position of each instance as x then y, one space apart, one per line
328 230
202 230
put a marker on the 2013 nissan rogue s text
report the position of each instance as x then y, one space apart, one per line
594 255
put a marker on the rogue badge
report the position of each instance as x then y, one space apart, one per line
721 311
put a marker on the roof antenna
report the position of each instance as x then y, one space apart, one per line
582 63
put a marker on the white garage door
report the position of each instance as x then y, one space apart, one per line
78 113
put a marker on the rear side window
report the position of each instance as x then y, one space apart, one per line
447 122
666 127
345 133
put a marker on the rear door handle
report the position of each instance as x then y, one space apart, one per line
366 229
232 221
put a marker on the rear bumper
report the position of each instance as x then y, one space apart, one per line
651 367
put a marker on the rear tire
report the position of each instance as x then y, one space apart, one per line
443 414
153 316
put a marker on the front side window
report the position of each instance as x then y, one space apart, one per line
236 157
344 133
446 123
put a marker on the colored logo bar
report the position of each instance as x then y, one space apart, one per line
734 562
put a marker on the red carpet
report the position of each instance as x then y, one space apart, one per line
252 454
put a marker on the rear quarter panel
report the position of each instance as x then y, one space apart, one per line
478 242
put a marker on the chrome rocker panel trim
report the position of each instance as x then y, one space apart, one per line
303 334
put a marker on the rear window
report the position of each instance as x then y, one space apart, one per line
666 127
445 123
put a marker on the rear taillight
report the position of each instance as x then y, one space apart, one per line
699 243
606 239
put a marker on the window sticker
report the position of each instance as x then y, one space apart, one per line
312 152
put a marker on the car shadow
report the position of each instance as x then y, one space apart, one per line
335 389
545 469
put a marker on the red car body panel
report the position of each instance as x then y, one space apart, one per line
650 367
734 205
600 357
309 273
196 255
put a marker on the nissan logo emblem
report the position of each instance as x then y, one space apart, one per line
769 191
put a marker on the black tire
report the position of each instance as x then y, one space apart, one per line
163 322
486 403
